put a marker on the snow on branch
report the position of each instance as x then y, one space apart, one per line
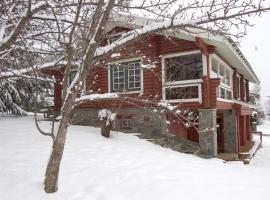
25 17
105 114
15 73
92 97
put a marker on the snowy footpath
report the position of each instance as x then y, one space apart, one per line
122 168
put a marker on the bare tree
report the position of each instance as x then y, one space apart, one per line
76 31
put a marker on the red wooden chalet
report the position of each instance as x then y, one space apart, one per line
195 71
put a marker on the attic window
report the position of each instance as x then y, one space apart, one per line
114 38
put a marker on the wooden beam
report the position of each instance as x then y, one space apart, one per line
204 47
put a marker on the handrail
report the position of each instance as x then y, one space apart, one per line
258 133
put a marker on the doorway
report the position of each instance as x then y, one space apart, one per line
220 132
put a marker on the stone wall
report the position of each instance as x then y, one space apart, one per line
230 131
143 121
208 132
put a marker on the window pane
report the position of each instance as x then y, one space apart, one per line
217 92
182 93
185 67
222 73
134 77
214 68
228 94
228 77
238 87
137 84
222 93
131 85
118 78
114 38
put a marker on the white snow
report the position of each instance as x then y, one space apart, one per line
106 114
115 55
20 72
148 66
120 168
92 97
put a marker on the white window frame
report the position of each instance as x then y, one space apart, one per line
199 99
226 67
163 57
185 83
121 61
118 78
134 80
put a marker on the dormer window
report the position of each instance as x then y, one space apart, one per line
115 37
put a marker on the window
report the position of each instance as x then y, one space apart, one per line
227 77
114 38
134 76
238 87
126 77
182 77
189 92
245 92
228 94
184 67
126 122
224 72
214 68
118 78
72 75
222 93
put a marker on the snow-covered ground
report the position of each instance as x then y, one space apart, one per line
121 168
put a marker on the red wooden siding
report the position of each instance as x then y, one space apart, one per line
58 75
150 48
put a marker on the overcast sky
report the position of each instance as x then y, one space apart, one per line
256 48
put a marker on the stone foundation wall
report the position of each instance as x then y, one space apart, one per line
143 121
208 132
230 131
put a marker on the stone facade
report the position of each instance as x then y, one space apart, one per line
139 120
230 131
208 132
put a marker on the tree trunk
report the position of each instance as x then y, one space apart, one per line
52 171
105 129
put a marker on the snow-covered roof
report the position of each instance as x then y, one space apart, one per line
225 47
